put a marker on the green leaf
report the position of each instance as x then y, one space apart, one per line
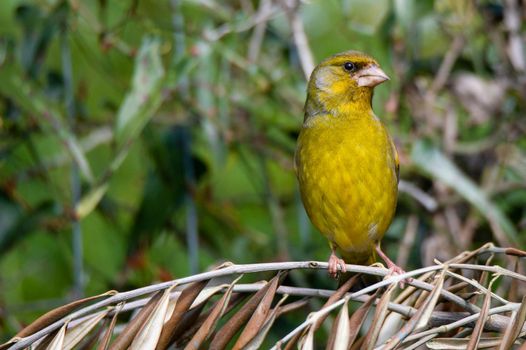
90 200
139 106
367 16
435 164
16 225
31 101
142 101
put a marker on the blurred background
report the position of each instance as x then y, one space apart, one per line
141 141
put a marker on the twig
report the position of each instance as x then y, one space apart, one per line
259 17
512 20
299 36
508 251
408 240
192 224
423 198
477 285
76 229
446 66
462 322
495 269
259 31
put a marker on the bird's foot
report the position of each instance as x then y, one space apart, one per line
397 270
334 262
393 268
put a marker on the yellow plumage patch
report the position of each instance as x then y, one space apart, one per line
346 162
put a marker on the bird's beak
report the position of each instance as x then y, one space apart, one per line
371 76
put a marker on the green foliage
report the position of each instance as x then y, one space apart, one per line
184 126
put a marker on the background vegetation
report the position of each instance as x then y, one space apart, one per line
143 141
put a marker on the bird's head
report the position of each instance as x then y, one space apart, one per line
345 80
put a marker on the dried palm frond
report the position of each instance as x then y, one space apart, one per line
443 307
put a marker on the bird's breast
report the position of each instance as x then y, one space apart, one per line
348 182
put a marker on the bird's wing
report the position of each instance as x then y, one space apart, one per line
295 162
396 159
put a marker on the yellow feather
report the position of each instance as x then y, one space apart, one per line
345 161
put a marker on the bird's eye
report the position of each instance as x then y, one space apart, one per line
349 66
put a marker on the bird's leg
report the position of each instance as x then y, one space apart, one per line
334 262
395 269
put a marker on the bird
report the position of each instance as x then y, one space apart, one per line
346 162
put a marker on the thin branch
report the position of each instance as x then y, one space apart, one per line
299 36
462 322
258 35
512 20
408 241
477 285
259 17
76 228
446 66
423 198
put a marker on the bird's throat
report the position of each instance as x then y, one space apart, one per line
351 105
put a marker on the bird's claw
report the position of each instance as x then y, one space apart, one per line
393 268
397 270
334 263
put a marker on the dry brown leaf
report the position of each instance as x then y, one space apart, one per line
191 328
483 280
332 334
429 305
460 343
340 292
230 328
211 321
259 316
515 326
76 334
149 334
306 338
342 336
514 284
515 252
184 302
379 318
58 340
421 318
479 326
295 305
46 340
358 344
291 343
211 289
422 296
58 313
255 343
103 345
9 343
358 317
458 287
188 325
90 342
307 341
172 302
126 337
